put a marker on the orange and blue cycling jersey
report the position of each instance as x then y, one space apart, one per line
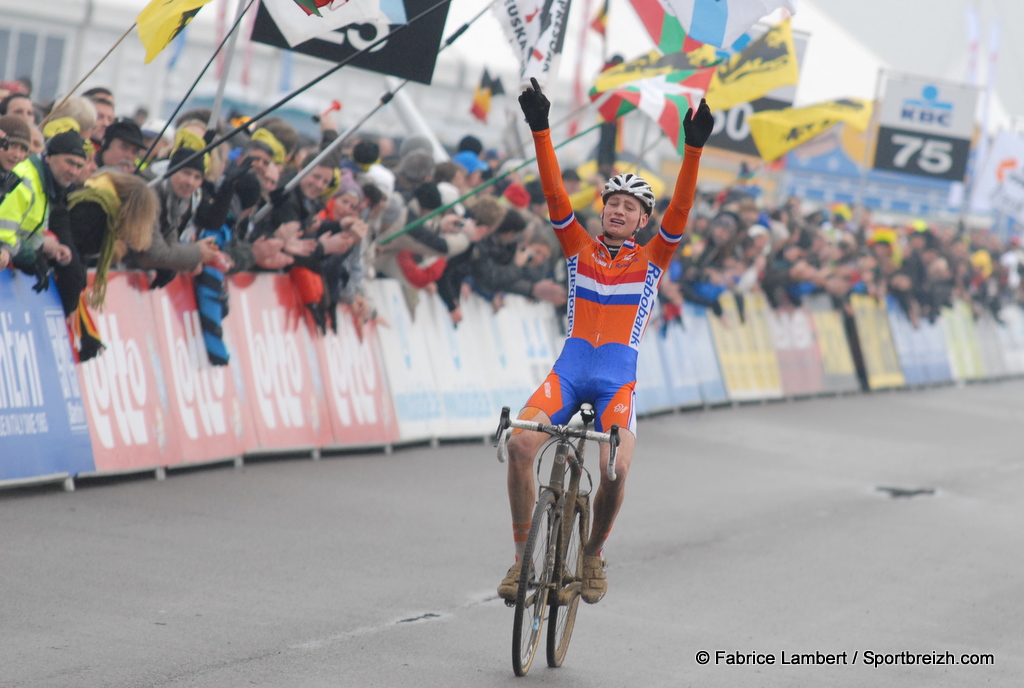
610 300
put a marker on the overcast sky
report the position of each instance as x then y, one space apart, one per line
929 37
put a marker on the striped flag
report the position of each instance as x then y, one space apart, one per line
721 22
161 21
482 96
661 86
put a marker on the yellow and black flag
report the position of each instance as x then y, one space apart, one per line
776 132
482 96
766 64
161 20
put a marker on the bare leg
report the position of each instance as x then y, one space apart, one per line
522 448
610 493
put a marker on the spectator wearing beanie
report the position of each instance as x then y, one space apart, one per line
18 140
122 145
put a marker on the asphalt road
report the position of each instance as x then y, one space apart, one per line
757 529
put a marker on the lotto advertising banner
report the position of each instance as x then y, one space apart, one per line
130 415
880 359
962 341
207 402
921 349
679 363
280 371
925 127
43 425
745 349
839 372
461 362
796 350
358 398
407 364
700 344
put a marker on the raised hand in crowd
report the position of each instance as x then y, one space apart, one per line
337 243
268 253
5 258
354 225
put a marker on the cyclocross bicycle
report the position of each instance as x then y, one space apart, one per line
550 587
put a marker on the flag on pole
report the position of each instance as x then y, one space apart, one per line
776 132
662 86
669 35
161 20
536 31
764 65
313 6
721 22
600 20
482 96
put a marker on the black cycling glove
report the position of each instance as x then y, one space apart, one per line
698 127
535 106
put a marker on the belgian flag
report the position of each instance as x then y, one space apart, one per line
482 96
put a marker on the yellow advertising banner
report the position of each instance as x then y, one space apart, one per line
880 359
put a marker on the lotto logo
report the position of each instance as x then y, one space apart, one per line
547 389
619 408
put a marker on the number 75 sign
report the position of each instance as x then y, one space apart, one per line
925 127
926 155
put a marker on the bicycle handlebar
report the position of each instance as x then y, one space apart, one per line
506 424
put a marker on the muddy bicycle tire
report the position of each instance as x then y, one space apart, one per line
534 582
568 565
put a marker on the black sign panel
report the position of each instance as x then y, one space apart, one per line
921 154
732 131
411 54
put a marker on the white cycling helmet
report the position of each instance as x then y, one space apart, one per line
633 185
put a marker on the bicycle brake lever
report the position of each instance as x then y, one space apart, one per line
503 423
613 445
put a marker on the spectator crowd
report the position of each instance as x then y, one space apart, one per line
82 189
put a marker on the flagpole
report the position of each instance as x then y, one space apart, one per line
195 83
266 111
228 54
862 185
472 192
89 73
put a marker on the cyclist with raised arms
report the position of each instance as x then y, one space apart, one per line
613 287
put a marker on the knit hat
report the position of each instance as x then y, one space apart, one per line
472 144
416 142
16 129
66 143
365 153
264 136
182 154
416 166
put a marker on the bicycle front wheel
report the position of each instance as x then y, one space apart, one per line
569 579
531 599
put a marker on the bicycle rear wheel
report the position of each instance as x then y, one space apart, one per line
569 566
531 600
